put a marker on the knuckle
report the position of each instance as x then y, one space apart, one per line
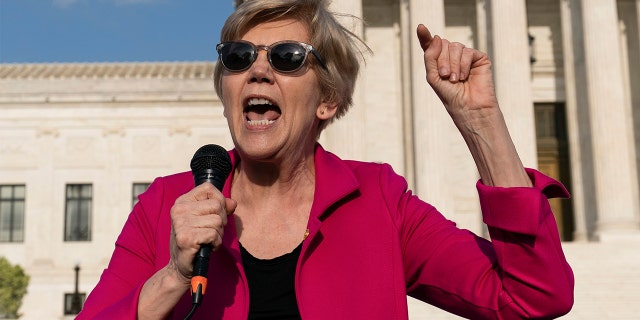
182 239
217 219
207 186
217 206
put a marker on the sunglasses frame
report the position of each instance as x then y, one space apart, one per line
256 48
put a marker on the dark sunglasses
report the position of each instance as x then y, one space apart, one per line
284 56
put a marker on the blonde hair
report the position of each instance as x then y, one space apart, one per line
339 47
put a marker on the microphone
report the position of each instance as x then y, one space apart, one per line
210 163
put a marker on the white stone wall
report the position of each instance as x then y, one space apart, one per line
110 132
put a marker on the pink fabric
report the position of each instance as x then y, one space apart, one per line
371 243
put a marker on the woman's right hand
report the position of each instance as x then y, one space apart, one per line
197 217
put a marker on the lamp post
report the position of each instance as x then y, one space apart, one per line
532 56
76 304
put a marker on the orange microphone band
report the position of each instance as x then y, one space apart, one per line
198 281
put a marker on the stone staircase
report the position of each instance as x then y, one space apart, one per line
607 283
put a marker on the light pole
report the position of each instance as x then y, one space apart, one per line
532 50
76 304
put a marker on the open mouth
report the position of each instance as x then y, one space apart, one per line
260 112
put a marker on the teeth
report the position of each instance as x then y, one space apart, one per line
259 101
260 122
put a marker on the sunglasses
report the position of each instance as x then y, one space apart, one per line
284 56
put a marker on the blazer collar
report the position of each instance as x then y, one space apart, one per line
334 181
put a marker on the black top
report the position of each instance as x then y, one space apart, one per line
271 285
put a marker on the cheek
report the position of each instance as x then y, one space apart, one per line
227 96
308 92
224 89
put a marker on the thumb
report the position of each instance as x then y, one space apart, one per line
424 36
230 205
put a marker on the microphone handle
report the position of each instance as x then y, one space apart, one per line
200 271
201 260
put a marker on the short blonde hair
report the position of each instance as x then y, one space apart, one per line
339 47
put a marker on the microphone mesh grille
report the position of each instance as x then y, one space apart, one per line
211 156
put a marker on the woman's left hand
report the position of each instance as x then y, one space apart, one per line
460 76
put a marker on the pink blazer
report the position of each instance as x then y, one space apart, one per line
371 243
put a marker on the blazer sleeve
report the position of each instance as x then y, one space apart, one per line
132 263
520 273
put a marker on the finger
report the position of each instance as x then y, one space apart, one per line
431 53
201 192
444 60
230 205
197 230
218 240
455 56
212 209
206 214
199 208
431 47
424 36
465 63
211 233
190 242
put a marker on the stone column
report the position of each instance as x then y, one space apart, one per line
432 125
574 72
509 51
481 14
615 178
347 136
407 37
638 15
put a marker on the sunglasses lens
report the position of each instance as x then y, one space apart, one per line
287 57
237 56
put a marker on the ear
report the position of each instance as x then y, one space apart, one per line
326 110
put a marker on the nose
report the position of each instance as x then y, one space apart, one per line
261 70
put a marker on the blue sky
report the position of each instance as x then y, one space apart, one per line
110 30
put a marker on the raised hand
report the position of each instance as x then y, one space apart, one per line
460 76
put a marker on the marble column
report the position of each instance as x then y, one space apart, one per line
638 16
407 37
573 73
432 125
509 51
346 137
613 156
482 36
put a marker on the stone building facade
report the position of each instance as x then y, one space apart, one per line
78 141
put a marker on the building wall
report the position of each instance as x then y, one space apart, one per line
109 131
113 125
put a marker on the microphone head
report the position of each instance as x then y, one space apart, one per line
211 163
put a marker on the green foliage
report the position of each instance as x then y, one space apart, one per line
13 286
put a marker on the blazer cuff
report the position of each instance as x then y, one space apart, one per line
519 209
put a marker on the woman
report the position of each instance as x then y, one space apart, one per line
300 233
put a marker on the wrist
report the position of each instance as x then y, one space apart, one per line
475 120
161 293
175 275
493 151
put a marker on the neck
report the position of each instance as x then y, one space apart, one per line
274 202
260 182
